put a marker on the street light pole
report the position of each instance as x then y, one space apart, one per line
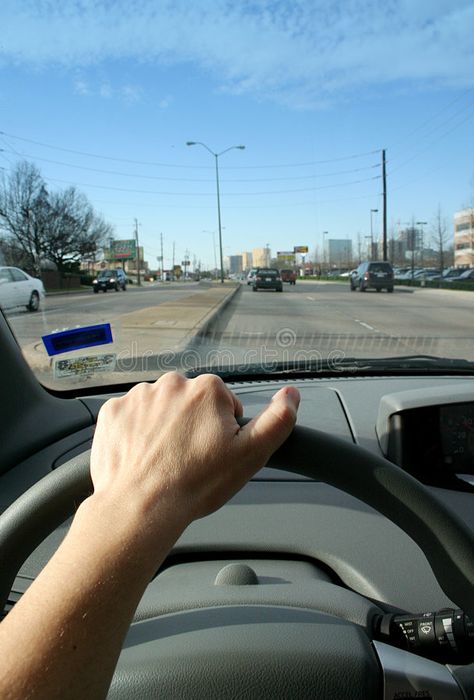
214 250
216 156
325 233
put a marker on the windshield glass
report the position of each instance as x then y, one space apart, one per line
191 144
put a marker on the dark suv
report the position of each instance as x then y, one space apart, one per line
267 278
110 279
372 275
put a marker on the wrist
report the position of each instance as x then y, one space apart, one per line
125 525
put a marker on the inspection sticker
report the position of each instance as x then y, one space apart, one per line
84 366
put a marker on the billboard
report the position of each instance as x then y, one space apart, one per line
124 250
285 258
300 249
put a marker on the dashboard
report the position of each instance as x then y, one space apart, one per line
289 541
284 512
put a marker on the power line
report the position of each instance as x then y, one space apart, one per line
198 167
179 179
426 148
212 194
433 117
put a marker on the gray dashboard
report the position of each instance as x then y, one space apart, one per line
279 516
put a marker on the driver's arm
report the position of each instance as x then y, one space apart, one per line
163 455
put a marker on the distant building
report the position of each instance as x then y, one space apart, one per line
464 238
235 264
247 261
339 252
261 257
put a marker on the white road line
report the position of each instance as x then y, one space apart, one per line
366 325
310 298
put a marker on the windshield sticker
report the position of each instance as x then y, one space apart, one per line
77 338
84 366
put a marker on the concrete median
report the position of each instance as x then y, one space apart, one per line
152 338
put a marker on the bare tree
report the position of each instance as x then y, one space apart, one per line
37 225
440 237
24 212
74 230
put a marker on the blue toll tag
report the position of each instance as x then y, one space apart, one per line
77 338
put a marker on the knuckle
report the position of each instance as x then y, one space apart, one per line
209 382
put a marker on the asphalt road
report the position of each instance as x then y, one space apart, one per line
310 321
68 310
320 320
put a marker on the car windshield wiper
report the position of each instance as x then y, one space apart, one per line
340 366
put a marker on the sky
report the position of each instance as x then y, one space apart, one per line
105 94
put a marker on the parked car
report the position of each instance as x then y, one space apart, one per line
376 275
465 276
267 278
18 288
110 279
288 276
450 272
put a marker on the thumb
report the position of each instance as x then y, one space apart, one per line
264 434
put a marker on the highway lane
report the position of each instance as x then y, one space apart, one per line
320 320
68 310
310 321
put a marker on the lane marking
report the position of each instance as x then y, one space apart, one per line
310 298
366 325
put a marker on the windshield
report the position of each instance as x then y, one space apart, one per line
190 145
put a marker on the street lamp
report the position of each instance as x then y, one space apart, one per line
372 211
216 156
213 248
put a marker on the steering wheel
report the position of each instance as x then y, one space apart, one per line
445 540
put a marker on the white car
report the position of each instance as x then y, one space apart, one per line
17 288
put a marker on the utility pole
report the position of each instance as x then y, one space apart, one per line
172 273
138 253
162 259
384 216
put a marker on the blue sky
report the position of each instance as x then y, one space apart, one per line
314 90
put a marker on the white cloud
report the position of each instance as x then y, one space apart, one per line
81 87
131 93
105 90
301 52
165 102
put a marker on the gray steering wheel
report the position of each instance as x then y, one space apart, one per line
446 541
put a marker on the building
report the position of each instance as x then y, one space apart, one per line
247 261
261 257
464 238
339 252
235 264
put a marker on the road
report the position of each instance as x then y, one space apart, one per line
318 320
310 321
68 310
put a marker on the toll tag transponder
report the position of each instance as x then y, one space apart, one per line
77 338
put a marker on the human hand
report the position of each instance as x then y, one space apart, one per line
176 444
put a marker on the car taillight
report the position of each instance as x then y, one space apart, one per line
366 275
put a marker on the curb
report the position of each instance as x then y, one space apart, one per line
171 360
